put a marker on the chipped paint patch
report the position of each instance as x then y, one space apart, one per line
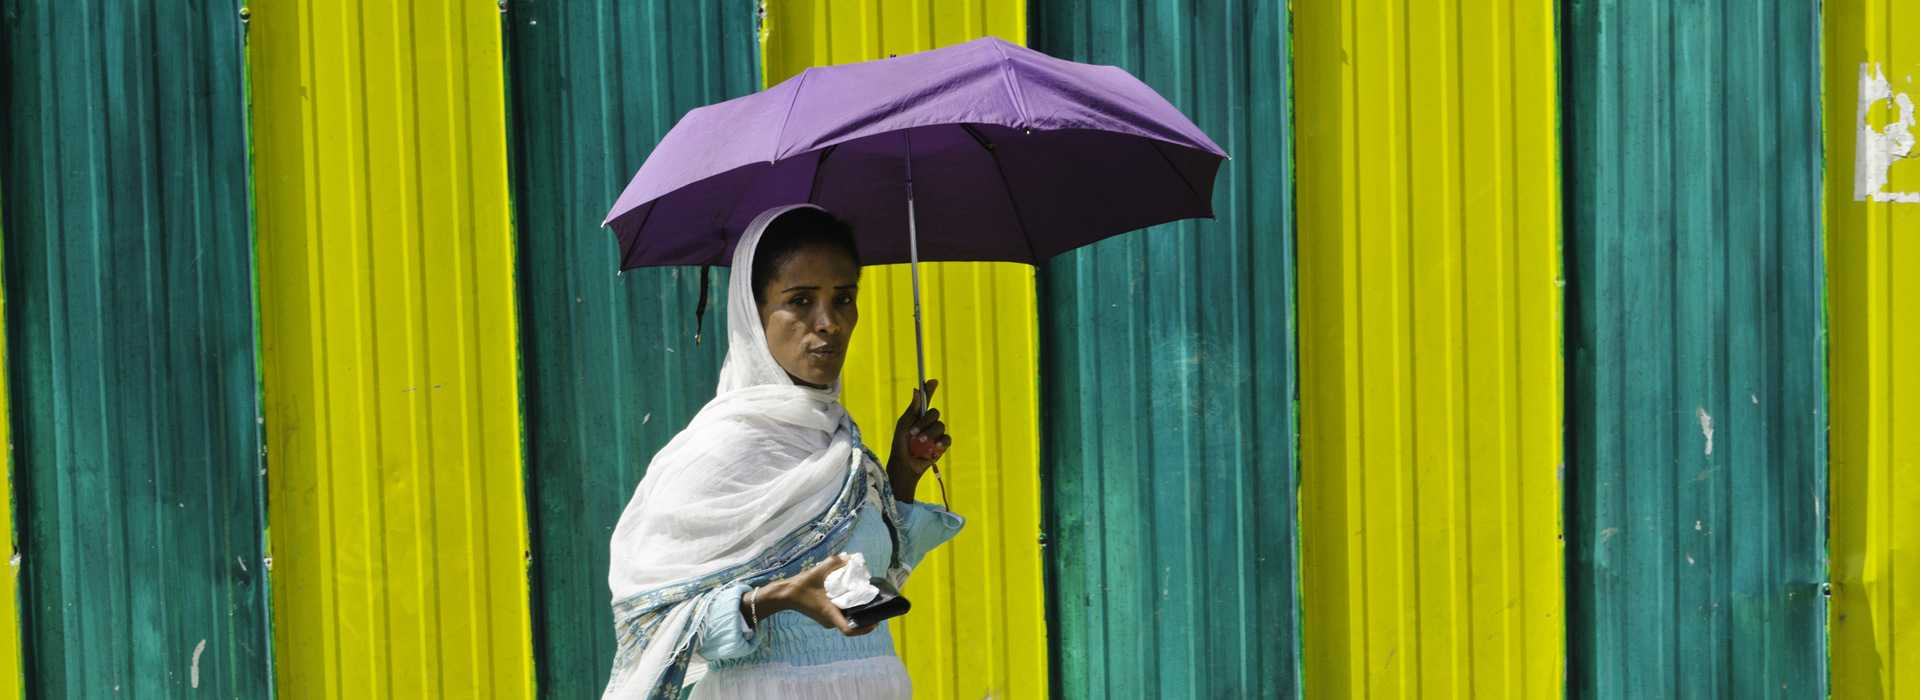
1706 428
1876 150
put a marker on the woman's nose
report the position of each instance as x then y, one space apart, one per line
824 322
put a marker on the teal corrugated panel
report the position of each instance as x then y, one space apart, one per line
1697 407
611 367
1169 385
131 345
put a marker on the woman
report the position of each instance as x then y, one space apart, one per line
720 562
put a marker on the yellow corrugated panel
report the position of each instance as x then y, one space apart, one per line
11 679
1873 297
978 626
389 350
1429 349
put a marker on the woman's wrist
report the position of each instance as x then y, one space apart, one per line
904 487
760 603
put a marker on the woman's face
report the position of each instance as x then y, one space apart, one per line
809 313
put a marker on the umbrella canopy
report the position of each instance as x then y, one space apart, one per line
1012 155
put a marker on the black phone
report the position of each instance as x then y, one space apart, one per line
876 610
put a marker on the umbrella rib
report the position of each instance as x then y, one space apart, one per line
1013 89
1195 191
780 137
1032 257
813 186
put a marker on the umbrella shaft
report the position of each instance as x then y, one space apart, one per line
913 254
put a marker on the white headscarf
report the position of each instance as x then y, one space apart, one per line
762 474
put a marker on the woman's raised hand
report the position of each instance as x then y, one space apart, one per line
805 594
919 439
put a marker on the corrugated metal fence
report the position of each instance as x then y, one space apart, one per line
390 350
135 407
1429 349
377 384
1696 403
1872 81
1169 384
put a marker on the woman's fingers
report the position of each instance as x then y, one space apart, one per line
832 563
917 402
822 610
928 420
913 408
925 434
816 576
835 618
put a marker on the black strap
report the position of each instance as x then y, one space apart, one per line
700 311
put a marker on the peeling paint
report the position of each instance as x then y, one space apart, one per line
1875 150
1706 428
195 669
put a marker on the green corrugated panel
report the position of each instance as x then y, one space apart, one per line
611 367
1697 409
1169 383
131 345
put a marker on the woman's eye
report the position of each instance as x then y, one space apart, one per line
844 299
801 301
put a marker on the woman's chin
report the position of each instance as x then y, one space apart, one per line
818 372
815 379
822 377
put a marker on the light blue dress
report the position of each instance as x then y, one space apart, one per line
789 655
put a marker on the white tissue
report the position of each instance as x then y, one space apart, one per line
852 584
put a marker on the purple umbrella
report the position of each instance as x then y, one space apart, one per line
1014 155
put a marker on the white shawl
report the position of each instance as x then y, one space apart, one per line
764 473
